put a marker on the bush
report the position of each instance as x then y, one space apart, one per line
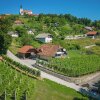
97 43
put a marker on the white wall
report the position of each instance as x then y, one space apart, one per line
48 40
14 35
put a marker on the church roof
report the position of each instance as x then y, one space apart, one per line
26 11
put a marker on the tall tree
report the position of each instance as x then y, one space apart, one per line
5 39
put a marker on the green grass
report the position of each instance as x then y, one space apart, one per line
94 50
14 47
37 89
74 53
48 90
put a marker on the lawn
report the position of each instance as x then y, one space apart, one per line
74 53
48 90
14 46
11 80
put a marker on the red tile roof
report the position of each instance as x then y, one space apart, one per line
26 11
33 14
2 17
92 33
48 50
1 58
25 49
18 22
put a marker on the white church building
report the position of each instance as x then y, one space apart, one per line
22 11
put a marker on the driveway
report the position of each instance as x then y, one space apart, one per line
28 61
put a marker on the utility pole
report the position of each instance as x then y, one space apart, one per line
15 95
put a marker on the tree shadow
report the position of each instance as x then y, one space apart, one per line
2 96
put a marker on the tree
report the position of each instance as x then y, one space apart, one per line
21 31
65 30
96 24
84 21
26 40
5 41
5 24
77 28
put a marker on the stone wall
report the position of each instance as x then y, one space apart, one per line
77 80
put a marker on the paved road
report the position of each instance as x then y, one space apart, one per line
48 76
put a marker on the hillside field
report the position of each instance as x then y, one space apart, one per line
13 82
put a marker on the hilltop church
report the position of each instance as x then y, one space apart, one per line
22 11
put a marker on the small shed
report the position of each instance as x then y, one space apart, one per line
44 37
18 22
13 34
89 28
1 58
26 51
92 34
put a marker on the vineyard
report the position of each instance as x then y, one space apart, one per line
74 66
12 83
17 86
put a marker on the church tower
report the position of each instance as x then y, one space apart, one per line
21 10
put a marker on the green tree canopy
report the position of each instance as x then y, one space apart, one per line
5 41
21 31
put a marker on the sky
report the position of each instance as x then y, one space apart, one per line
79 8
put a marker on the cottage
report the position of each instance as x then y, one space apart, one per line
88 28
26 52
1 58
44 37
49 50
13 34
30 32
2 16
18 22
92 34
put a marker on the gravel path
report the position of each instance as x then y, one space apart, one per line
89 46
48 76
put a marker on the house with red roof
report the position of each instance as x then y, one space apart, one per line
44 52
92 34
26 51
18 22
51 50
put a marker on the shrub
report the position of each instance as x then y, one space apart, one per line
97 43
